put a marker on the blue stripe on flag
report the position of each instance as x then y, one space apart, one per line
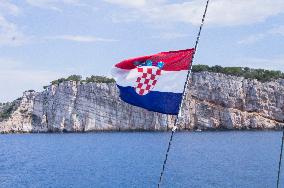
163 102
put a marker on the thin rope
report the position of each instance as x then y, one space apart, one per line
166 158
280 160
183 96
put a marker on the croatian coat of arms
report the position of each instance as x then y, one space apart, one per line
149 73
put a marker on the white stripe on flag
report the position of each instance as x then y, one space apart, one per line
169 81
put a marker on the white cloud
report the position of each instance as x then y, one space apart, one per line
10 34
277 30
80 38
129 3
171 35
54 4
220 12
17 79
136 3
239 12
252 39
273 63
8 8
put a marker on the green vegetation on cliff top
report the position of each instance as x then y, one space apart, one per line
78 78
248 73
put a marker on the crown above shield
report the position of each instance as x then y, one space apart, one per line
148 62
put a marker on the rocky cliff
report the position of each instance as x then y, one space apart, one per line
213 101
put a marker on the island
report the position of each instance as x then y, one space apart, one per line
217 98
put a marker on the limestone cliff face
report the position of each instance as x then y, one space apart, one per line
216 100
21 118
213 101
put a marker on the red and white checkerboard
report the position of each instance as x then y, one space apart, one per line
147 79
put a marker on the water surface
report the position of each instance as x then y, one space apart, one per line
197 159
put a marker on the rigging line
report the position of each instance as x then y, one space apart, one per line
166 158
183 95
280 160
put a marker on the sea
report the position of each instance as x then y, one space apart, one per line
241 159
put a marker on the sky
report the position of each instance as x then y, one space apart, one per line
42 40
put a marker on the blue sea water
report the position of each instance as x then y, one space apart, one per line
197 159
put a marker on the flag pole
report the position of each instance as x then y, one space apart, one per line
183 96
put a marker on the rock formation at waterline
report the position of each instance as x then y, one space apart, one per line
213 101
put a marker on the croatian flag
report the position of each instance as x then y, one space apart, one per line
154 82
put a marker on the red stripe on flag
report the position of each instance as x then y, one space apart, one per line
173 60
